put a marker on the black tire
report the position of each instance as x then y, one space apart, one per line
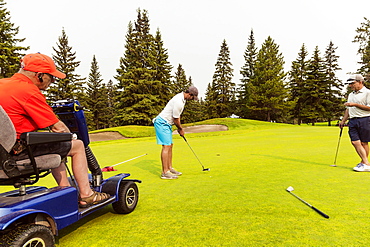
29 236
128 196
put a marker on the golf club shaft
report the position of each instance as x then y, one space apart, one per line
317 210
193 152
336 153
129 160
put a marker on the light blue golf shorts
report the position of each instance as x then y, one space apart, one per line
163 131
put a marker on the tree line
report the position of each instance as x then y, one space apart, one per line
308 93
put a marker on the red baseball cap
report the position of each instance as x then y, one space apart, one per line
37 62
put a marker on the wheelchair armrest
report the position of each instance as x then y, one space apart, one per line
31 138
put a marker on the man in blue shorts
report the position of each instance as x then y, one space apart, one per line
358 113
169 116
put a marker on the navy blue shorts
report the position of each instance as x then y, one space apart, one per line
359 129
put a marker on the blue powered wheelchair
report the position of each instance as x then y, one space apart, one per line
32 215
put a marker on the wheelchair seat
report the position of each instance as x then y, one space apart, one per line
27 171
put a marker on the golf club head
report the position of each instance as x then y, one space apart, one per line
290 189
206 169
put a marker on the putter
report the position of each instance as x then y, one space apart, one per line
204 169
336 153
290 189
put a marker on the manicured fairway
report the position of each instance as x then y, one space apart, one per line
242 200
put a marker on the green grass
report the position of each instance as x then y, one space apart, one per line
130 131
133 131
242 200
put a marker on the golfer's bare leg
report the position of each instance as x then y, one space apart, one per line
166 157
79 167
60 175
170 158
361 151
366 147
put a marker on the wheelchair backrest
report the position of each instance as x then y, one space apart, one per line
7 131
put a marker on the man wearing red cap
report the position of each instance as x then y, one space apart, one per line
21 98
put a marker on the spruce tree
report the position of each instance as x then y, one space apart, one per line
334 107
267 89
164 86
65 61
297 80
138 100
111 95
96 99
363 39
316 89
211 102
10 51
223 89
247 72
180 83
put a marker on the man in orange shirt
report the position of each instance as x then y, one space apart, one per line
21 98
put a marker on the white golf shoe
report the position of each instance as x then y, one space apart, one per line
361 168
174 172
168 175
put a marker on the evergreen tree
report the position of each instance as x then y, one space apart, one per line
298 77
192 111
223 89
96 99
10 52
111 94
70 87
267 89
199 111
180 83
335 107
138 100
363 38
316 89
164 86
210 102
247 72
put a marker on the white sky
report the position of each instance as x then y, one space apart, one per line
192 30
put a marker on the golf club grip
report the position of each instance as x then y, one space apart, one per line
321 213
340 133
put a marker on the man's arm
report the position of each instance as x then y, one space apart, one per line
59 127
344 119
177 122
362 107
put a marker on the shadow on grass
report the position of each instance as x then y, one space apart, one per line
69 229
152 166
300 161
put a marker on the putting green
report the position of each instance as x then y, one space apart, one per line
242 200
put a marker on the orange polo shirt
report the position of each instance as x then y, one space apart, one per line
25 104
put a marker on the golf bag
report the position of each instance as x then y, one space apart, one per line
71 113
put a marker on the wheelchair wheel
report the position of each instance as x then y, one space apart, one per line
128 196
29 235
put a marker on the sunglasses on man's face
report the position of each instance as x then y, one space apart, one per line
351 82
52 78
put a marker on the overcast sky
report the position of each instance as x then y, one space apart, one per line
192 30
